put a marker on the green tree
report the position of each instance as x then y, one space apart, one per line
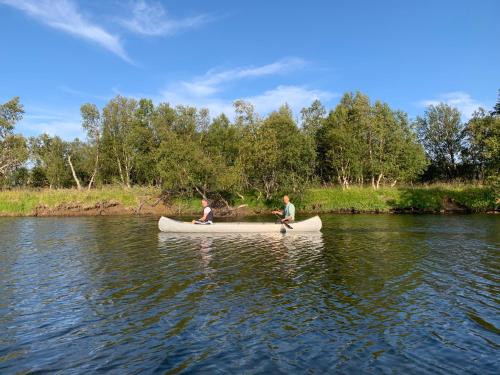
483 135
223 139
144 144
118 136
441 132
276 156
13 148
496 108
359 142
313 117
92 123
10 113
340 146
397 155
184 167
245 113
50 156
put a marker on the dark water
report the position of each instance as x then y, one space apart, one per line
372 294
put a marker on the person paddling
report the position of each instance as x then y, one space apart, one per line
208 214
288 212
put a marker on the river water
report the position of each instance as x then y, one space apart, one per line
371 294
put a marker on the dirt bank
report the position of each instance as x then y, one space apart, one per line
115 208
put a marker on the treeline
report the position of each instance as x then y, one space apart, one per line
183 150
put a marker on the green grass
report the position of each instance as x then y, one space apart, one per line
24 202
315 200
420 198
473 198
357 198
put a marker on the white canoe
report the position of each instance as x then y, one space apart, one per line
169 225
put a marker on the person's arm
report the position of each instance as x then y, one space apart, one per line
203 218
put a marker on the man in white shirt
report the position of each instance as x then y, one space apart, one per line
208 214
288 212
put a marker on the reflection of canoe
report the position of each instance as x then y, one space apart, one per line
169 225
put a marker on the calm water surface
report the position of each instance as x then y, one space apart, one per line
371 294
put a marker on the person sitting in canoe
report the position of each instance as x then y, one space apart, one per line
208 214
288 212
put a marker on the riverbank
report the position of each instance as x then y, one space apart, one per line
147 201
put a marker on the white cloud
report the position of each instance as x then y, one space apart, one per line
210 82
65 16
152 19
458 99
297 97
65 124
202 91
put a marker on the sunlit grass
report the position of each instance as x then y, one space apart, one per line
357 198
474 198
431 198
24 202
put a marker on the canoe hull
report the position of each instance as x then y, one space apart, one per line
169 225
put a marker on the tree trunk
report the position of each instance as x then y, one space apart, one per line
95 172
78 185
128 168
127 176
120 170
345 182
394 183
200 192
378 179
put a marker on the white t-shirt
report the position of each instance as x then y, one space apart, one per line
206 211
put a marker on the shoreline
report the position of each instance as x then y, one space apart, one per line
146 201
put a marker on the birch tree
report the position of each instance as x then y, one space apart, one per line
92 123
13 148
118 137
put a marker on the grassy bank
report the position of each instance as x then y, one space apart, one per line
141 200
25 202
434 198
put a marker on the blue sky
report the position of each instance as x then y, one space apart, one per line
57 55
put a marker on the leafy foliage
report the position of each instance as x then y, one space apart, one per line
441 132
185 152
360 142
13 148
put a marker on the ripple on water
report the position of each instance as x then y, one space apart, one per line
370 294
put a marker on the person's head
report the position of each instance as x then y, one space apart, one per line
286 199
204 202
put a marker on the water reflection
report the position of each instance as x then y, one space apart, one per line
286 248
368 294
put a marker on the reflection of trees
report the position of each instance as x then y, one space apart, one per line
285 251
372 269
368 252
57 288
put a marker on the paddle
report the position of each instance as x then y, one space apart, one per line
284 223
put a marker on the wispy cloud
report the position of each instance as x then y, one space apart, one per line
64 15
211 82
38 120
458 99
208 90
296 97
152 19
83 94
